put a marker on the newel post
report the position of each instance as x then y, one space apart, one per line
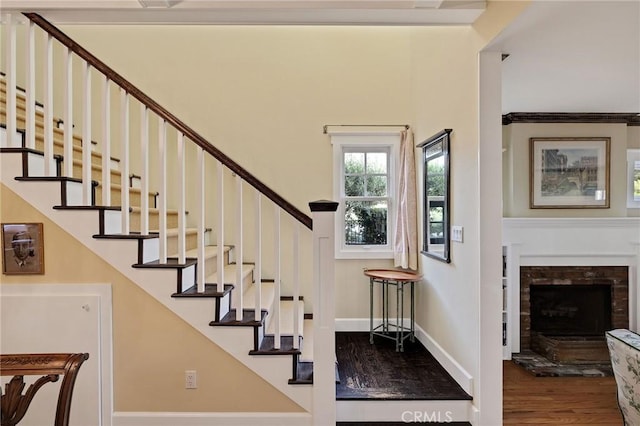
324 312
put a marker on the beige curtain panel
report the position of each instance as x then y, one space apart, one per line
405 246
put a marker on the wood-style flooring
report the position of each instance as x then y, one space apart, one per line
377 371
531 400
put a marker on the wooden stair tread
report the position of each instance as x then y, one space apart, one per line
248 319
286 347
210 290
304 373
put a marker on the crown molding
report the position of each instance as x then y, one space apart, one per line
628 118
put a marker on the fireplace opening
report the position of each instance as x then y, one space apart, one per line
571 310
564 313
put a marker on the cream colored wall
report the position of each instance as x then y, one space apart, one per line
516 185
152 347
262 95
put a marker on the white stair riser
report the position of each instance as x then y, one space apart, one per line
225 305
74 193
188 277
4 141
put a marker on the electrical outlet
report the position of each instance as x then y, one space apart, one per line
457 233
190 381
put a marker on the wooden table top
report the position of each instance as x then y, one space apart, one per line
392 274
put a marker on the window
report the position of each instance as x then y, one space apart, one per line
633 178
364 185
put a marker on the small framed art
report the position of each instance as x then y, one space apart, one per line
23 248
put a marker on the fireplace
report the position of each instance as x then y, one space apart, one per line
570 310
565 310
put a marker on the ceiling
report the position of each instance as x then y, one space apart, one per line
282 12
564 56
572 56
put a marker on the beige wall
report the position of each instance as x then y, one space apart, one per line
262 95
152 347
516 162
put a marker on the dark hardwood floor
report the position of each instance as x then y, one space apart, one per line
377 371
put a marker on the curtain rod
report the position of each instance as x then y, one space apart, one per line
324 128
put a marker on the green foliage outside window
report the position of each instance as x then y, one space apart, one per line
365 175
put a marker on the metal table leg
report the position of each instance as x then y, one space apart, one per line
371 310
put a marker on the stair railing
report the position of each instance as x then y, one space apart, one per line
169 131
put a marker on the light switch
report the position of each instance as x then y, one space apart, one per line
456 233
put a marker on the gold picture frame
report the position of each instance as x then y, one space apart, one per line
23 249
569 173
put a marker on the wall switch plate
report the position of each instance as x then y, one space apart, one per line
457 233
190 381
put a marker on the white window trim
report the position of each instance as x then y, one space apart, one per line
341 140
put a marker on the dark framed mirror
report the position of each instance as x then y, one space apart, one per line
436 227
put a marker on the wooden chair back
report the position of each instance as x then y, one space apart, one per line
14 403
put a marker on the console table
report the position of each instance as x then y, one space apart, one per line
398 279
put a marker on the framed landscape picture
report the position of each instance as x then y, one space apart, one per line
569 173
23 248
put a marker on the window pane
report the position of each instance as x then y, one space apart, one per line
377 186
354 162
376 162
436 233
365 223
435 176
436 214
354 186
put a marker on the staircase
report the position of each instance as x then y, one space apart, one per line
195 257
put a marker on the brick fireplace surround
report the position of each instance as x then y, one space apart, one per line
616 276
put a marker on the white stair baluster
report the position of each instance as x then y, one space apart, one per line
162 191
30 131
201 219
239 290
68 113
220 226
124 160
10 50
182 251
276 297
257 272
86 134
106 143
296 284
49 164
144 173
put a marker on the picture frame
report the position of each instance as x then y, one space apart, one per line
569 173
23 249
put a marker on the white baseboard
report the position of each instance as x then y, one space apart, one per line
126 418
459 374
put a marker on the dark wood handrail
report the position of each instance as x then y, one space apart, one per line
169 117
